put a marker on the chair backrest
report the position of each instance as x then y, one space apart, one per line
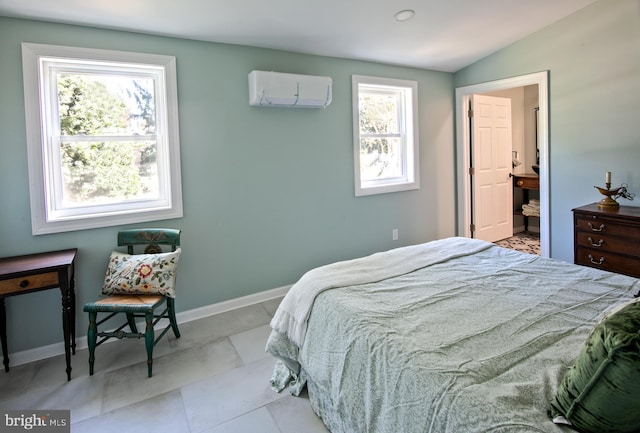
152 239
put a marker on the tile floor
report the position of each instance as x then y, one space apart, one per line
214 379
526 242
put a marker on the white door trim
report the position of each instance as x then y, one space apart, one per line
463 189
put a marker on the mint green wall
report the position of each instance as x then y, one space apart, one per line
594 87
268 193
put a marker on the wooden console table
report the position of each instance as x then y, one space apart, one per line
527 181
35 272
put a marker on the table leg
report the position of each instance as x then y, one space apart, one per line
72 294
66 325
525 196
3 334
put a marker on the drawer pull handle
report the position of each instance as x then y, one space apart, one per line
599 262
599 229
24 283
593 244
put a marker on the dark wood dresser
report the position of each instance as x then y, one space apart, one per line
608 239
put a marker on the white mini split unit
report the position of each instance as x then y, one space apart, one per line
277 89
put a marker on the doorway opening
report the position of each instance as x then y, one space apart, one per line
463 164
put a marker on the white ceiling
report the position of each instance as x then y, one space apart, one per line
444 35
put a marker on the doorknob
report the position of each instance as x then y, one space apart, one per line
510 175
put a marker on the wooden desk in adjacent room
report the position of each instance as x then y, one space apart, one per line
528 182
35 272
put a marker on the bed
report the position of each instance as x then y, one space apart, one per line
455 335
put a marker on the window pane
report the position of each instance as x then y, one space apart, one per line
93 104
380 158
103 141
378 113
96 173
385 144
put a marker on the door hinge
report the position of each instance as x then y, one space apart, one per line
472 227
470 112
471 171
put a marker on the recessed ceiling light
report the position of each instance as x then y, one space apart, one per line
404 15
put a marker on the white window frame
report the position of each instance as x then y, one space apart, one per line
408 122
47 216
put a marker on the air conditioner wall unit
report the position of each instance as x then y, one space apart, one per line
277 89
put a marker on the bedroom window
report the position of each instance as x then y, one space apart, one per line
102 137
385 114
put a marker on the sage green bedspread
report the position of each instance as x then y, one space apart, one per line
477 343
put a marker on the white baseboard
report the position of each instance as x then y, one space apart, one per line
56 349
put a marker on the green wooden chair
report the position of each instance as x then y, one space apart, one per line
138 285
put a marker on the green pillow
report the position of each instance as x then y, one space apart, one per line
601 392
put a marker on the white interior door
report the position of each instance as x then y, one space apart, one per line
491 185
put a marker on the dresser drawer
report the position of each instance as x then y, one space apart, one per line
526 182
608 261
606 226
32 282
607 243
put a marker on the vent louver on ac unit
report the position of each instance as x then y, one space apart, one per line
277 89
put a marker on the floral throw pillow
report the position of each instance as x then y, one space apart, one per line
141 274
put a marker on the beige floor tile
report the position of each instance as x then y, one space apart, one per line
83 396
131 385
294 415
251 344
161 414
18 380
257 421
221 325
224 397
215 379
